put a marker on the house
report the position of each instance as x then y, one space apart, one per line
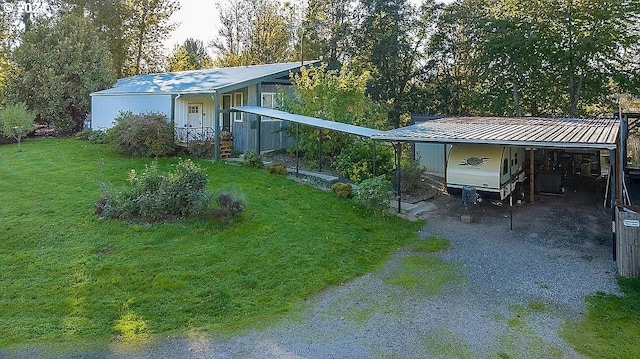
199 103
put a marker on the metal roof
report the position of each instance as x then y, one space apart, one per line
521 131
309 121
200 81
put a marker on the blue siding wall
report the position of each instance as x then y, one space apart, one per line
105 108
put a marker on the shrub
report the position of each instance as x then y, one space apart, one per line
411 176
84 134
375 193
252 159
142 135
204 149
356 162
155 196
277 169
342 190
228 207
97 137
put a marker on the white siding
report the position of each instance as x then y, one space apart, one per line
431 156
181 110
105 108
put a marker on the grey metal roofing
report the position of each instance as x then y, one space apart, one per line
199 81
523 131
309 121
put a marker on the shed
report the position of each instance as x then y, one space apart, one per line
199 103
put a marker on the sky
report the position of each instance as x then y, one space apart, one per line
198 19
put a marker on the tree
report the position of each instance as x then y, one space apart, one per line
334 95
390 38
550 58
254 32
59 63
16 121
326 31
191 55
133 30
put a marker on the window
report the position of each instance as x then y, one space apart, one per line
238 100
505 166
194 109
270 100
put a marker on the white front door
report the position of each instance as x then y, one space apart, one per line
194 117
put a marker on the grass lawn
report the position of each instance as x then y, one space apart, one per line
66 275
611 328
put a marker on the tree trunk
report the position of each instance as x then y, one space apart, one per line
516 99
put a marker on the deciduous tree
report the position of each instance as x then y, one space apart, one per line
191 55
59 63
16 121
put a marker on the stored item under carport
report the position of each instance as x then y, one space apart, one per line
495 171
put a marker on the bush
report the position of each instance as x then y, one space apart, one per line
252 159
355 162
411 176
375 193
342 190
155 196
142 135
228 207
97 137
277 169
84 134
202 149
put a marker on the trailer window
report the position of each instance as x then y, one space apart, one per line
505 166
516 159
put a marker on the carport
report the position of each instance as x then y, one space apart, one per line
531 133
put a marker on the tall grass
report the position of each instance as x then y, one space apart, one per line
65 274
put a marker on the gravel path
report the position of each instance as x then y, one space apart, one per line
495 293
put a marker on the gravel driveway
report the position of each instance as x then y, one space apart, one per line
494 293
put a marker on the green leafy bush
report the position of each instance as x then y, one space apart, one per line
204 149
277 169
154 196
375 193
84 134
142 135
411 176
97 137
356 163
252 159
342 190
228 207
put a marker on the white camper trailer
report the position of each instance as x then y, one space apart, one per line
486 168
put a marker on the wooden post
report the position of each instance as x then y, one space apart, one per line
628 244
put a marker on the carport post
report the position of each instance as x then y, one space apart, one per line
297 149
398 151
373 145
612 182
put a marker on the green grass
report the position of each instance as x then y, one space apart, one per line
431 245
66 275
611 327
425 275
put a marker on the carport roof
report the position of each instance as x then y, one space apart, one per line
309 121
521 131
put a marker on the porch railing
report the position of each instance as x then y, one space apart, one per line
190 134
